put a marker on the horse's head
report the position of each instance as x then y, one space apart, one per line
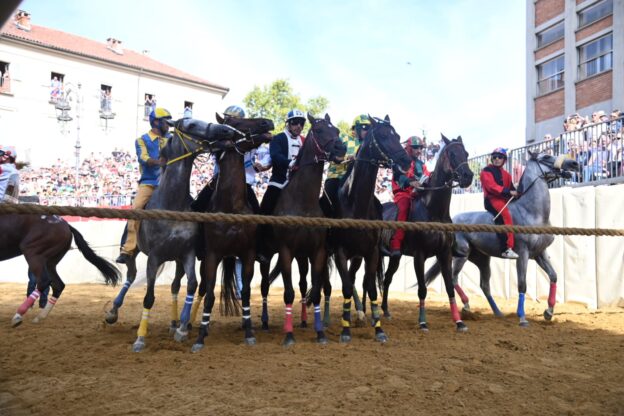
326 139
453 159
553 167
385 145
210 133
256 130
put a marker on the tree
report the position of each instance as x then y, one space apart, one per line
274 101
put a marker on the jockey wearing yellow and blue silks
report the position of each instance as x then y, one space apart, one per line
148 149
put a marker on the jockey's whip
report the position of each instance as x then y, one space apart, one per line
503 208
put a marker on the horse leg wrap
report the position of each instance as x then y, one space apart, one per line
265 310
205 321
318 322
246 316
422 312
185 316
288 325
28 302
493 305
304 311
142 332
461 294
357 301
47 309
376 315
552 295
122 294
346 313
520 310
174 308
454 310
196 308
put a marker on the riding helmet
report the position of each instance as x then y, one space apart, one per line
416 142
361 120
499 151
294 113
234 111
159 113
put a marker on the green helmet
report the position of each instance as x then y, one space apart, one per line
361 120
416 142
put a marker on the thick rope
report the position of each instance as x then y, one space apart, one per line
292 221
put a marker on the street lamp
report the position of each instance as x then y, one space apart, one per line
62 108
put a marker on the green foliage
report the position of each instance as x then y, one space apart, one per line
344 127
274 101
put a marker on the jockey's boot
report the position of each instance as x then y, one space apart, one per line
509 254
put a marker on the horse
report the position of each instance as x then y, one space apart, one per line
300 197
532 208
164 240
432 205
43 240
226 241
356 199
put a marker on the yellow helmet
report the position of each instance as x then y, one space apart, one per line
361 120
159 113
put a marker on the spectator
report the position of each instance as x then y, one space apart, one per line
55 89
188 112
150 104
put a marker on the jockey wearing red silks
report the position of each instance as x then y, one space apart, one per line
497 191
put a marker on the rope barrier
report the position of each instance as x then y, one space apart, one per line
292 221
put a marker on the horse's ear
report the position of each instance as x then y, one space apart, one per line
459 139
220 119
387 118
327 119
446 140
171 122
532 155
310 118
372 120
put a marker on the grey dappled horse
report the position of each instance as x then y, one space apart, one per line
532 208
165 240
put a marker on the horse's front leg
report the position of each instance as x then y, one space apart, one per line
188 268
347 293
265 285
285 259
543 260
445 260
200 293
371 265
112 315
248 269
210 264
302 262
327 289
419 269
175 290
521 268
148 301
360 305
319 261
393 266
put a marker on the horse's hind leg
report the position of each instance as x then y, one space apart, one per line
175 290
393 266
458 264
247 272
188 268
543 261
210 271
370 271
483 263
200 293
57 288
327 290
112 314
360 306
302 262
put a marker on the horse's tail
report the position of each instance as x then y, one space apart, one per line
229 305
277 270
380 273
111 274
432 273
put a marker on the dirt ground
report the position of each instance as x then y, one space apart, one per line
74 364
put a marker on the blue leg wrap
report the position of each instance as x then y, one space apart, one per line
520 310
318 321
493 305
122 294
185 316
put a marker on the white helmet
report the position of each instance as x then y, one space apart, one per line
294 113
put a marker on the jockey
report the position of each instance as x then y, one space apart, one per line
404 185
283 149
148 148
336 171
498 191
9 175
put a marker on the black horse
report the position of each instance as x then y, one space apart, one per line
432 206
226 241
356 199
300 197
44 240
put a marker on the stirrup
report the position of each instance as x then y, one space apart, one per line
509 254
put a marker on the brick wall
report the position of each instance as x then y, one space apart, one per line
594 90
547 9
547 50
594 27
549 106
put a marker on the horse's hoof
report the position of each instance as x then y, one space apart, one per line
345 339
381 337
303 324
265 326
361 316
110 318
548 315
387 315
17 320
197 347
325 324
189 327
138 346
288 340
321 339
180 336
250 341
172 330
499 314
524 323
461 327
423 327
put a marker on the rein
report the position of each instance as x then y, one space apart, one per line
320 156
543 176
183 137
387 161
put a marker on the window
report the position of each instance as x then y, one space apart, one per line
188 109
5 78
150 104
106 99
596 56
56 87
550 75
550 35
595 12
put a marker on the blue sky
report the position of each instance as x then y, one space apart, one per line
452 66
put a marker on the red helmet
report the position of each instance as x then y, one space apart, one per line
500 151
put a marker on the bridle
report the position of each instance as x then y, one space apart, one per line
386 160
453 181
549 176
185 138
320 155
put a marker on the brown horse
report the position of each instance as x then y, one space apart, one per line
227 241
44 240
300 197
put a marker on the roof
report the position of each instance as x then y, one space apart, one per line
77 45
